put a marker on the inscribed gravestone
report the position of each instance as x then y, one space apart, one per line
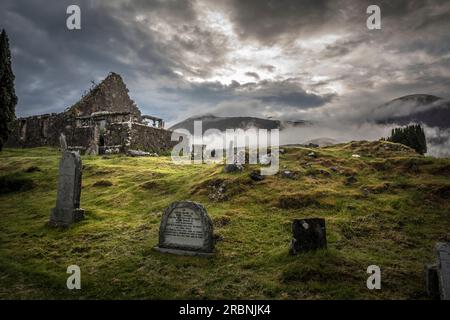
67 209
186 229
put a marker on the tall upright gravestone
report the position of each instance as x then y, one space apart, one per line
186 229
67 209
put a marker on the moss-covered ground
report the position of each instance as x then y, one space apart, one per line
387 208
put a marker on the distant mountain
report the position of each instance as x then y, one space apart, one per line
223 123
419 108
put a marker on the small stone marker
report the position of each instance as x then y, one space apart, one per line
186 229
309 234
67 210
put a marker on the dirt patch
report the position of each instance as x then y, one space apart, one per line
149 185
15 183
103 183
443 170
377 188
219 189
438 191
221 221
381 165
298 200
32 169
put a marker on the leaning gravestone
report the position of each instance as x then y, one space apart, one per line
438 274
63 142
443 253
308 234
186 229
67 210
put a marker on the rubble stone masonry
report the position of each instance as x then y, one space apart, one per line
104 120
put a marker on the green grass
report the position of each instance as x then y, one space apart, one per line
391 216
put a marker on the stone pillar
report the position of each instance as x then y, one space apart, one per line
67 209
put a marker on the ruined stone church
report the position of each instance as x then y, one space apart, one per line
105 120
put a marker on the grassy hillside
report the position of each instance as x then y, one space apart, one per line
387 208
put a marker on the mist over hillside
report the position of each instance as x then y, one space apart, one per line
210 121
432 112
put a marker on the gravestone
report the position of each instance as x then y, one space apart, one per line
308 234
443 253
63 142
186 229
67 209
432 280
438 274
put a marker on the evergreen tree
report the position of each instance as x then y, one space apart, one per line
8 98
412 136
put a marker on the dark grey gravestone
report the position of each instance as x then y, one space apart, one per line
432 280
186 229
308 234
443 253
67 209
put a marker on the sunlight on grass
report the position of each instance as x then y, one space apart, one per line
391 215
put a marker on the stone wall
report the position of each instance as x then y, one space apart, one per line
150 139
110 95
117 135
105 118
39 131
36 131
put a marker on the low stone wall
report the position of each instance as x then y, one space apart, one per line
37 131
105 118
150 139
117 135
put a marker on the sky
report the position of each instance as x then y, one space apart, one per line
282 59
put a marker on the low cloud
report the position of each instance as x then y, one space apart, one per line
290 60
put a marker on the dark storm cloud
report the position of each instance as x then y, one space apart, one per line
53 65
271 21
279 93
172 52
